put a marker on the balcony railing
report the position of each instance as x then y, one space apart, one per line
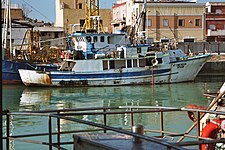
216 33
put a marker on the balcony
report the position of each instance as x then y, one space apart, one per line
216 33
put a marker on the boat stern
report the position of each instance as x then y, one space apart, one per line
35 78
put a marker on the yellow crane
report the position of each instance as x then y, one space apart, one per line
92 19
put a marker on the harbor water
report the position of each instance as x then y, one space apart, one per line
21 98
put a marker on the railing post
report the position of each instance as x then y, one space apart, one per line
198 128
104 119
58 131
161 124
50 132
7 129
131 118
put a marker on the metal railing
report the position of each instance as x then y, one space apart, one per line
71 114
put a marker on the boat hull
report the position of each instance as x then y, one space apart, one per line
180 71
10 73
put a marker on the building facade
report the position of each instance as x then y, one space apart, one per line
215 21
51 37
16 12
176 21
70 14
27 34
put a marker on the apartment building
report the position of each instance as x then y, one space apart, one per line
215 21
173 20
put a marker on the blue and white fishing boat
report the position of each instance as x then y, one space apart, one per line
99 63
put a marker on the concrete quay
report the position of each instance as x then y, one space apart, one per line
214 66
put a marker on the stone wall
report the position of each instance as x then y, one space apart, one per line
199 47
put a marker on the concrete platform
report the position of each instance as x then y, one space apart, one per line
110 141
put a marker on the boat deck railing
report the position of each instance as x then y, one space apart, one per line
104 112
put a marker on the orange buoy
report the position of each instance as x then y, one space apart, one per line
210 131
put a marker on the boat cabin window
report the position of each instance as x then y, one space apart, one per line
105 65
108 39
149 49
159 60
120 64
138 50
129 63
67 66
142 62
148 62
135 63
95 38
102 39
88 38
111 64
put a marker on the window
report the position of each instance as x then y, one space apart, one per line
105 65
189 40
129 64
112 64
95 38
218 11
136 12
102 38
108 40
165 22
212 27
148 23
197 22
138 50
56 35
135 63
88 39
82 21
43 34
181 22
80 6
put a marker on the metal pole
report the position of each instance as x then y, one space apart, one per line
6 24
153 80
198 128
161 124
58 131
104 120
7 129
10 30
50 132
132 118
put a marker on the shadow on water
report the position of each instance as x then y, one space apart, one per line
210 78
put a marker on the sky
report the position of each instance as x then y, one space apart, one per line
45 9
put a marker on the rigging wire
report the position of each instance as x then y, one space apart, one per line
137 24
37 11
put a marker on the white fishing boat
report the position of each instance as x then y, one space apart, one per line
119 65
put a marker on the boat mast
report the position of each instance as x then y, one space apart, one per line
5 24
10 30
141 19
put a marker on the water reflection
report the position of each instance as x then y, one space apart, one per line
164 95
